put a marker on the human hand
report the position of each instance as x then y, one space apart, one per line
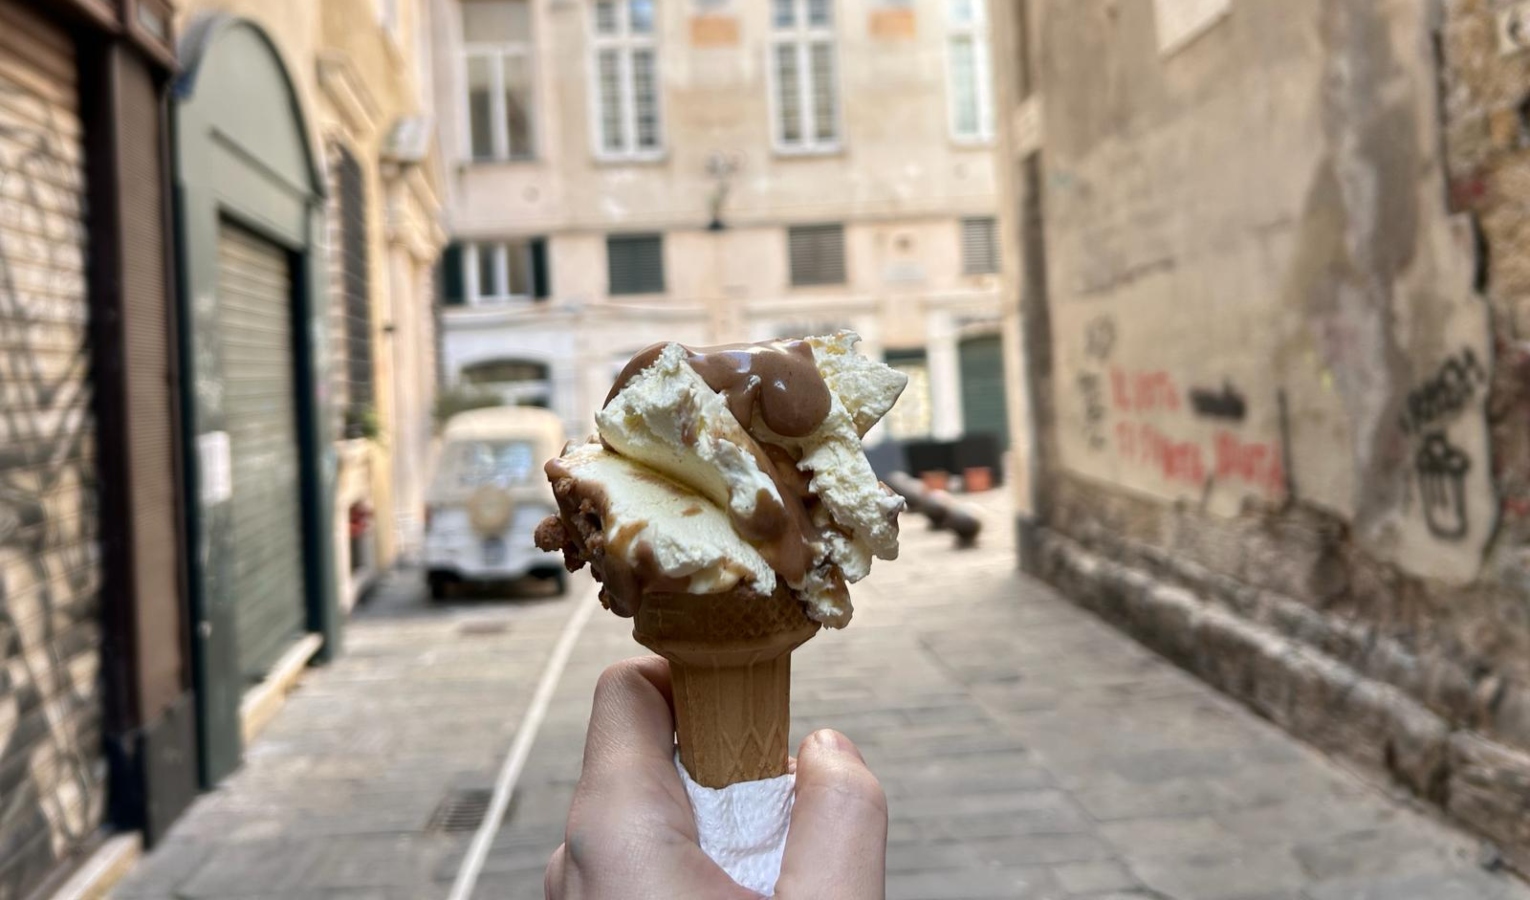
631 834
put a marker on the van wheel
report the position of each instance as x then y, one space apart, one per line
560 582
439 585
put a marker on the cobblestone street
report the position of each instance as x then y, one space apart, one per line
1028 751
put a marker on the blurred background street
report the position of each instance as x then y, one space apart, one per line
1028 751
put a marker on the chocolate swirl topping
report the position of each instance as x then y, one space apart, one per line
776 378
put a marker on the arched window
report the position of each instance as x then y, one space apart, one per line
504 371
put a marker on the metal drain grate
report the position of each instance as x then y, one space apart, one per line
461 810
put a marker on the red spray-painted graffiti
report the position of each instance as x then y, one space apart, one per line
1256 465
1177 461
1230 458
1139 392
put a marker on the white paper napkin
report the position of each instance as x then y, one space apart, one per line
743 826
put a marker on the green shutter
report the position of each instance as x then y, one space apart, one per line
453 286
983 404
541 281
255 301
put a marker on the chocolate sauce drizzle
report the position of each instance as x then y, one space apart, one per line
777 379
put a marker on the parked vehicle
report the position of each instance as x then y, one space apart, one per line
487 497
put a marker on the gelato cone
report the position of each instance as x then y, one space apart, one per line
725 506
731 663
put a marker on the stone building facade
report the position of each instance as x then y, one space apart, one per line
1268 313
627 172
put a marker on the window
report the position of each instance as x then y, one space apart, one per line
817 254
355 274
501 463
504 371
911 417
635 263
804 92
980 246
497 62
502 271
971 90
452 276
626 78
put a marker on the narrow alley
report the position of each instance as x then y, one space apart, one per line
1028 751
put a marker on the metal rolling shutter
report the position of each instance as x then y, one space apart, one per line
255 305
51 771
982 371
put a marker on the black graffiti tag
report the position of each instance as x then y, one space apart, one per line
1227 404
1445 394
1100 338
1442 469
1091 385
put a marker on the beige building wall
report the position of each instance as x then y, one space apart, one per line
362 69
898 181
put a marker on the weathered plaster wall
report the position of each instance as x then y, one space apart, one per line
1259 295
1485 95
1289 395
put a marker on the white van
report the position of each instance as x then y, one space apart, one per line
487 497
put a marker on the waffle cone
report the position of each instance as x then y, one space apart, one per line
730 658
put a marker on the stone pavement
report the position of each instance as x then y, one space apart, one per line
1028 751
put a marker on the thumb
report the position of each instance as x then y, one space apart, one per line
837 844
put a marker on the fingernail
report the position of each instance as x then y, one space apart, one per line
833 741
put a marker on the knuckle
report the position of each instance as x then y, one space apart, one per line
552 878
615 678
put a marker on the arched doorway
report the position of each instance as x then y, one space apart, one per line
252 325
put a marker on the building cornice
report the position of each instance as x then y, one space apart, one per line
357 107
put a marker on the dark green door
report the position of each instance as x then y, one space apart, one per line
983 401
255 305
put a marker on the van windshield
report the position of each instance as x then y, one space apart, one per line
474 464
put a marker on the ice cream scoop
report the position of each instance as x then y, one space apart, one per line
726 506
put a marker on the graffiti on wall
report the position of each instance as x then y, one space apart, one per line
1099 344
1440 467
48 565
1445 394
1227 403
1144 419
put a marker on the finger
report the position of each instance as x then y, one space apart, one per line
632 722
552 881
629 781
837 844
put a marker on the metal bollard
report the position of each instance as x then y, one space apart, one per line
965 524
937 508
909 487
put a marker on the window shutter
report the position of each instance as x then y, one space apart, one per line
817 254
980 246
453 288
355 268
635 264
540 280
